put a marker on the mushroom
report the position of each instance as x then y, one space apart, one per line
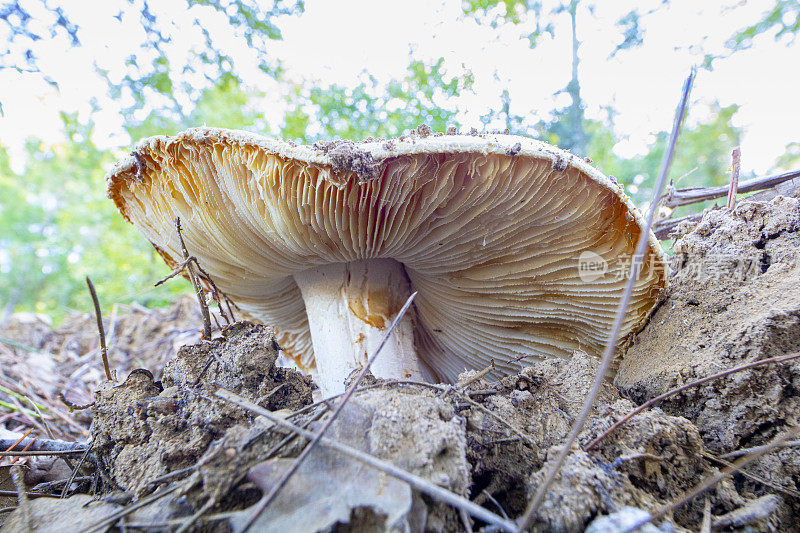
516 249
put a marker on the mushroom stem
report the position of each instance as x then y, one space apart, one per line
350 306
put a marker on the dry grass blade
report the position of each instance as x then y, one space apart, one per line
100 330
677 390
316 438
416 482
622 309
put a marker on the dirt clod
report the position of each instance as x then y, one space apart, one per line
733 299
146 429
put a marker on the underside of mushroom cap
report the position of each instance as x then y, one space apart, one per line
516 248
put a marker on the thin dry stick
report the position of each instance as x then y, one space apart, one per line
100 330
641 246
744 451
195 282
310 446
40 452
789 492
416 482
215 292
495 502
74 406
734 189
75 470
478 375
196 516
102 524
693 195
665 226
713 480
676 390
503 421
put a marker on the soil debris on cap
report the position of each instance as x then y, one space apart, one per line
514 150
560 164
346 156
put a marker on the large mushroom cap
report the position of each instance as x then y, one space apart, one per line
516 248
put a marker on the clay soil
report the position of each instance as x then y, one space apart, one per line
168 453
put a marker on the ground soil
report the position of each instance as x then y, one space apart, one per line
168 452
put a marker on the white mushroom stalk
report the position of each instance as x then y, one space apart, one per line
516 249
350 306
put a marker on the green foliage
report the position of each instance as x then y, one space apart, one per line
632 33
225 104
495 12
151 80
59 228
702 156
783 17
375 110
790 159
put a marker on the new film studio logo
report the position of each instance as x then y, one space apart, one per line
591 266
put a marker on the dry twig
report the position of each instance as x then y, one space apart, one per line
75 470
102 524
734 188
705 526
744 451
692 195
74 406
100 330
189 265
478 375
641 247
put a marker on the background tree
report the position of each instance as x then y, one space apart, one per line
372 109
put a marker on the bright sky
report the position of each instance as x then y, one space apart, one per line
333 42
